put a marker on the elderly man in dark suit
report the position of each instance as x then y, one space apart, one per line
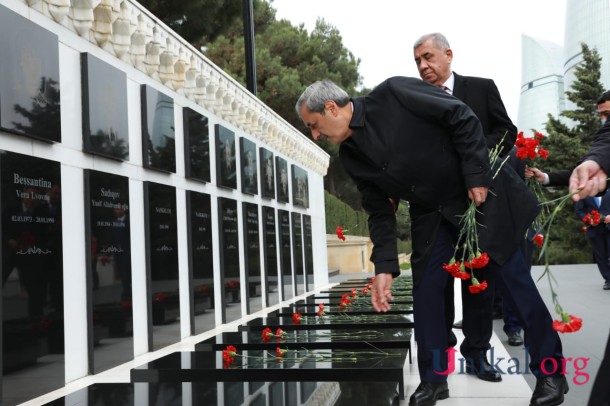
410 140
433 57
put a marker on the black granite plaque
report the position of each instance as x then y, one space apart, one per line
29 78
104 100
201 260
196 145
249 168
297 252
162 263
308 252
158 130
281 168
267 174
285 255
300 187
32 275
225 157
252 257
229 259
270 252
109 268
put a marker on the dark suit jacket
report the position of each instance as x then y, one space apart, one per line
586 205
413 141
600 149
483 97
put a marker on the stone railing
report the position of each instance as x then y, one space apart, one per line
131 33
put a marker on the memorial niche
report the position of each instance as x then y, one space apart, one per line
270 273
29 79
252 257
297 249
158 135
281 168
229 259
201 260
300 187
162 263
104 101
32 276
249 174
225 158
196 145
285 255
109 269
267 174
308 252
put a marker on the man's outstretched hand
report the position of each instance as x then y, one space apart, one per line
381 292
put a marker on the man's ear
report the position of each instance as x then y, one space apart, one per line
331 106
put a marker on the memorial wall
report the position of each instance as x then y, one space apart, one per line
145 196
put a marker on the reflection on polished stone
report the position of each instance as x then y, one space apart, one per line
162 262
331 338
252 258
109 271
315 365
226 157
329 393
267 173
249 167
312 323
158 134
270 253
229 259
286 270
300 187
281 170
308 252
29 78
201 259
105 129
196 145
297 251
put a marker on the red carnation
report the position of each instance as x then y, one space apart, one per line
567 324
539 240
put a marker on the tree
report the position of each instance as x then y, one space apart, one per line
567 142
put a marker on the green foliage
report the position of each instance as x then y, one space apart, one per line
340 214
567 143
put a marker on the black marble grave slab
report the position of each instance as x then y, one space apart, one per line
335 311
296 339
232 394
203 366
310 323
107 229
201 260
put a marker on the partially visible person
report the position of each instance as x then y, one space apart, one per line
387 152
590 179
598 234
561 177
433 57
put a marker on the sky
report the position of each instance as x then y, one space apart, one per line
485 35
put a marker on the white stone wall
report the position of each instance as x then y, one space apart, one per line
126 36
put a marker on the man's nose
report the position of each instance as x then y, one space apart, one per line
315 134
